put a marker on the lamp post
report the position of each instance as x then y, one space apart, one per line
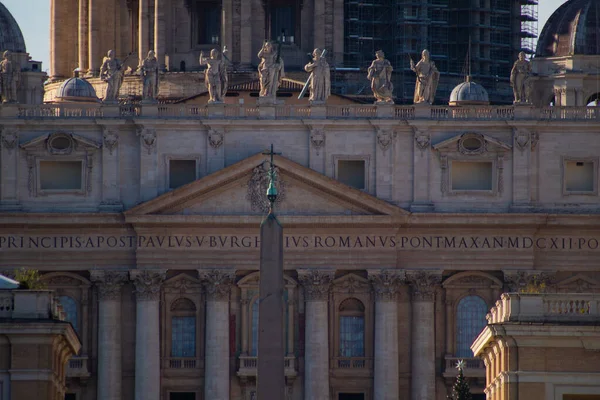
271 351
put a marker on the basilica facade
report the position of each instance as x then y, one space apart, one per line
403 225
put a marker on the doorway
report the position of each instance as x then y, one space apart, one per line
351 396
182 396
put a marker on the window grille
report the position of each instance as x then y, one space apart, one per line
183 337
470 320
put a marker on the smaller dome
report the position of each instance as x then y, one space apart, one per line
76 89
11 37
468 93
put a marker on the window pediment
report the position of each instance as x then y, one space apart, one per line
60 143
472 144
350 284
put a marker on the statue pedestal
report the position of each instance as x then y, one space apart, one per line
266 106
150 110
422 110
215 109
523 111
384 110
318 111
111 110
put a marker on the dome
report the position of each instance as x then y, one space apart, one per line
11 37
572 29
76 89
469 93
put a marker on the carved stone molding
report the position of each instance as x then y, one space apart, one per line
386 283
424 284
422 140
217 283
535 137
385 138
257 188
182 284
10 138
317 138
529 281
351 284
148 137
463 148
147 283
521 138
31 174
500 167
215 138
316 284
110 139
444 166
109 283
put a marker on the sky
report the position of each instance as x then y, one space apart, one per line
33 16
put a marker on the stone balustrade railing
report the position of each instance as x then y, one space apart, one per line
546 307
30 304
353 362
249 364
78 367
472 367
182 363
331 112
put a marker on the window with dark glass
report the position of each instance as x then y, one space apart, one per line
208 22
470 321
352 328
183 328
283 23
69 305
181 172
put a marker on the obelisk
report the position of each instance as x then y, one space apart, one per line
271 378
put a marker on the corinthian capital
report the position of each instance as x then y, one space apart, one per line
424 284
316 284
217 283
147 283
386 283
108 283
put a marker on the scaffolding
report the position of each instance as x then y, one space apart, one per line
529 25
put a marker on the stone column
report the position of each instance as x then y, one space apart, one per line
386 366
94 50
147 333
83 36
316 350
216 359
143 31
319 25
9 156
227 27
160 34
109 285
246 55
423 337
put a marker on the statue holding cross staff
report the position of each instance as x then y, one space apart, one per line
319 79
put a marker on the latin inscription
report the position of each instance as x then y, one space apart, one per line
226 242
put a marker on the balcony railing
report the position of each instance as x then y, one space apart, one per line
353 362
351 111
249 365
473 367
182 363
78 367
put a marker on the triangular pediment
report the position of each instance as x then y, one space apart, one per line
240 189
472 143
60 143
579 283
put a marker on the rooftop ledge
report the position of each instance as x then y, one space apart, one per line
290 112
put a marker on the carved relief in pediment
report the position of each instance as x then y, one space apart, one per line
182 284
579 283
351 284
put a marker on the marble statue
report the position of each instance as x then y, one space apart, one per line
428 77
9 78
215 76
270 70
380 75
111 72
320 83
520 80
149 75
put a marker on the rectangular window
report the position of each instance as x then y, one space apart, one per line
183 337
283 23
352 336
209 22
580 176
181 172
182 396
352 173
472 175
61 175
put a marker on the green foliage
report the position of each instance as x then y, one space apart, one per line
461 389
29 279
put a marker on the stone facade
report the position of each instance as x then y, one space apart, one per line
399 251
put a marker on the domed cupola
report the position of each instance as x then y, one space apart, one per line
11 37
573 29
469 93
76 90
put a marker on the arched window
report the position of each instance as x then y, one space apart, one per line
70 307
470 320
352 328
183 328
254 329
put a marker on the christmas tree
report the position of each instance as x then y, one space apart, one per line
460 390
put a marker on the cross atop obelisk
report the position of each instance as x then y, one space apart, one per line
271 350
272 190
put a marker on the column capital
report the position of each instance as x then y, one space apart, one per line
147 282
108 282
424 284
217 283
316 284
386 283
